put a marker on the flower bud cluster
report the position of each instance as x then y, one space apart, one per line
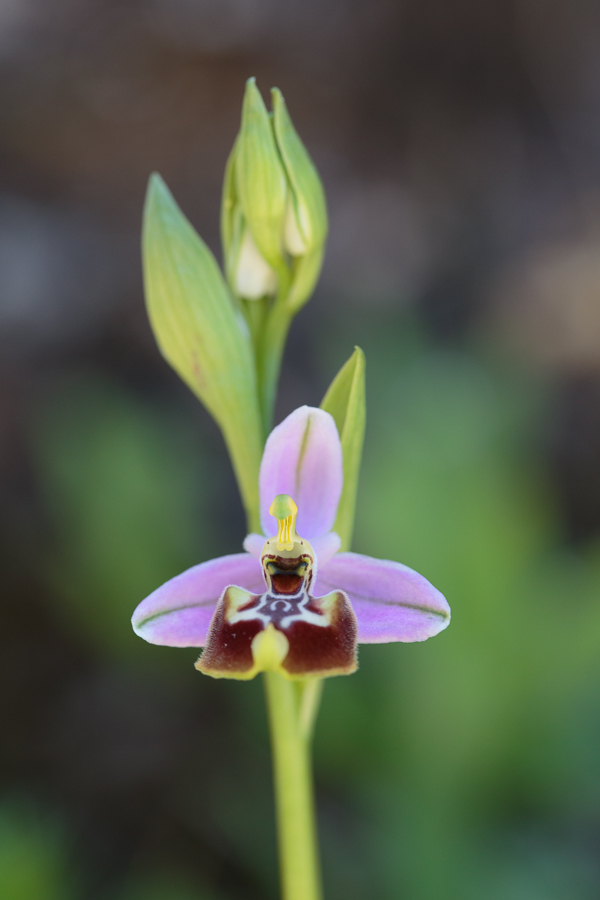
273 214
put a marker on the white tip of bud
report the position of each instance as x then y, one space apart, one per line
292 239
254 277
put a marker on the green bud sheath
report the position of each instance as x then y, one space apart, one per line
232 219
346 402
200 332
260 178
308 198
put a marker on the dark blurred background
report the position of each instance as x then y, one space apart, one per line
459 144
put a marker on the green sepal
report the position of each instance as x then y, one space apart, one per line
260 177
346 402
201 333
232 219
308 196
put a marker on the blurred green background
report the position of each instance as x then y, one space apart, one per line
459 148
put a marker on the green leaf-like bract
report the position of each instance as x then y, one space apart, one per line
346 402
201 333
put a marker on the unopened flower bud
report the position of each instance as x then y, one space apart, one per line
273 210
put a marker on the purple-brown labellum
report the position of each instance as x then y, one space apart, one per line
302 636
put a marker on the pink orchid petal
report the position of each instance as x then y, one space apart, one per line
303 458
253 544
325 547
178 613
391 601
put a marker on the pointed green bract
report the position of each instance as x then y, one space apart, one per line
346 402
232 219
260 177
200 332
307 191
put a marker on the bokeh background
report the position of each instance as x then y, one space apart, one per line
459 144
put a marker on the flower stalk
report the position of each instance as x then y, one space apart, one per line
294 796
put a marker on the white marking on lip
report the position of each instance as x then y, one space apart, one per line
267 600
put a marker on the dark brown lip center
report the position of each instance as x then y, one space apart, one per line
286 583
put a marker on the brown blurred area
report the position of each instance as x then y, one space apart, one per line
459 146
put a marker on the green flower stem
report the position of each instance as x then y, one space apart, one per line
255 312
310 693
292 709
269 356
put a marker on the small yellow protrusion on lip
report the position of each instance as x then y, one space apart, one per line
269 649
285 511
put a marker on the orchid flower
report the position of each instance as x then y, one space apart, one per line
295 604
292 602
